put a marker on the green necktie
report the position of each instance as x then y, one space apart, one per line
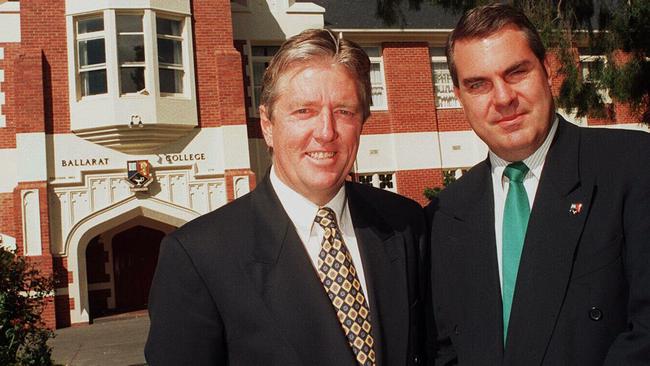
515 222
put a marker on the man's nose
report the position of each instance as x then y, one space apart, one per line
504 94
325 130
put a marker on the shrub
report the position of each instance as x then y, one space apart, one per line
23 293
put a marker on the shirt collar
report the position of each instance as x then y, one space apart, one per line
300 210
535 162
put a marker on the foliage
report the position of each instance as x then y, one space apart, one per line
600 27
23 292
448 177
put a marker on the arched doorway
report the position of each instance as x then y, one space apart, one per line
107 223
120 264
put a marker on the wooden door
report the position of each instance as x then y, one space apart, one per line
135 254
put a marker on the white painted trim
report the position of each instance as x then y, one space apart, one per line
7 241
31 222
101 221
31 157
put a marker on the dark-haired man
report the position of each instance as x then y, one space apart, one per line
541 253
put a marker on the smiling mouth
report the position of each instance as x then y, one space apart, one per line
320 155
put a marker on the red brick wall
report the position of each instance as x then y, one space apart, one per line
7 215
409 87
218 65
62 303
28 92
43 34
8 133
452 119
230 174
43 262
411 183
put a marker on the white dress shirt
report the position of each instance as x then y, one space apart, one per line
500 185
302 213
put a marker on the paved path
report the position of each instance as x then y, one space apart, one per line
116 342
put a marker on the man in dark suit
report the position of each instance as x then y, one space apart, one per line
308 269
568 281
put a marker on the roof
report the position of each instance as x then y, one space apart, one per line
362 14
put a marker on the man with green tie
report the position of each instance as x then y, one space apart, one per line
540 254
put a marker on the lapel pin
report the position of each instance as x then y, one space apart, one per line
575 208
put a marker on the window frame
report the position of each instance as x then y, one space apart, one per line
132 64
586 59
84 37
375 180
380 61
113 67
253 106
439 60
182 38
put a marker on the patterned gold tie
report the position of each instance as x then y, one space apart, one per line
339 277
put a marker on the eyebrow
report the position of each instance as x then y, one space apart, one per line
524 63
518 65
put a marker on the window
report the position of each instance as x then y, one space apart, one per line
258 62
170 55
378 180
376 78
591 65
91 53
444 86
130 51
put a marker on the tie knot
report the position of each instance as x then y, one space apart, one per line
516 171
325 217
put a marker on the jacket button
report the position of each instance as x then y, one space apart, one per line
595 314
416 360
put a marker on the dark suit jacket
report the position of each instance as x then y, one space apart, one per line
236 286
583 289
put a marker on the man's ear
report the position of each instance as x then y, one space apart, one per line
267 126
547 68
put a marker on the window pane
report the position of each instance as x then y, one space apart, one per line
265 50
257 93
170 51
129 23
130 48
377 84
171 81
258 72
92 52
444 86
131 79
90 25
93 82
168 26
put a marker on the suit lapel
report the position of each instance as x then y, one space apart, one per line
281 271
547 258
476 264
384 268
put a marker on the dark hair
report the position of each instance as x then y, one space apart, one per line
317 44
484 21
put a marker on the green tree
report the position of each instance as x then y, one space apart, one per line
603 27
23 292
